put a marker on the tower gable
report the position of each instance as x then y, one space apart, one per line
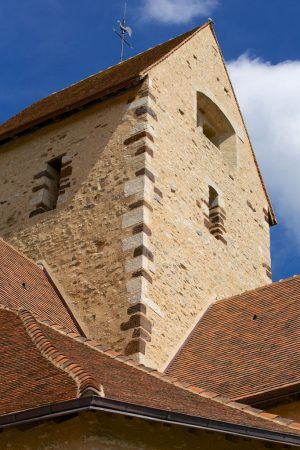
205 246
146 205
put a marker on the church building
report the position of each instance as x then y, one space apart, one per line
137 307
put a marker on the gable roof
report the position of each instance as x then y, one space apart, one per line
246 347
105 83
23 284
92 88
34 352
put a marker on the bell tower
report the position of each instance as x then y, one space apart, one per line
140 190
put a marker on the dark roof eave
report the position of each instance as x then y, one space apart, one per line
28 127
83 404
274 396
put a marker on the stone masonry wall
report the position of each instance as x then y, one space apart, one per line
134 241
193 266
94 241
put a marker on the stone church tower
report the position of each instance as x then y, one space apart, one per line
139 189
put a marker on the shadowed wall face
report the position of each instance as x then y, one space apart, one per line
289 409
80 234
90 431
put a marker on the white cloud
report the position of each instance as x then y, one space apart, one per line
269 96
176 11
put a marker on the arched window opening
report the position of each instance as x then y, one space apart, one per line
217 128
217 215
211 134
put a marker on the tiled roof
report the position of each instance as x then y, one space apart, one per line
246 347
92 88
82 378
23 284
27 379
41 365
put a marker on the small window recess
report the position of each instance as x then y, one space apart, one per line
47 187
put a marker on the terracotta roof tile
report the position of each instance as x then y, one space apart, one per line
31 378
23 284
246 347
83 380
27 379
132 383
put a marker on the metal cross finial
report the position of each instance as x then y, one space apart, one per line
124 30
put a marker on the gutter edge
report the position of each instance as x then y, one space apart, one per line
93 403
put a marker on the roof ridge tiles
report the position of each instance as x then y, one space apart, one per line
204 393
47 322
85 382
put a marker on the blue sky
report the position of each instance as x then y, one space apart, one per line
49 44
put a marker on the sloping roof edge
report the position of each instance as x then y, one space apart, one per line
8 129
188 38
14 131
193 329
271 396
289 424
243 304
273 219
61 293
25 279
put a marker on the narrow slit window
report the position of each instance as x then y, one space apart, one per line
53 170
217 215
213 201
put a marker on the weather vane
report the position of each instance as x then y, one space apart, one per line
124 31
